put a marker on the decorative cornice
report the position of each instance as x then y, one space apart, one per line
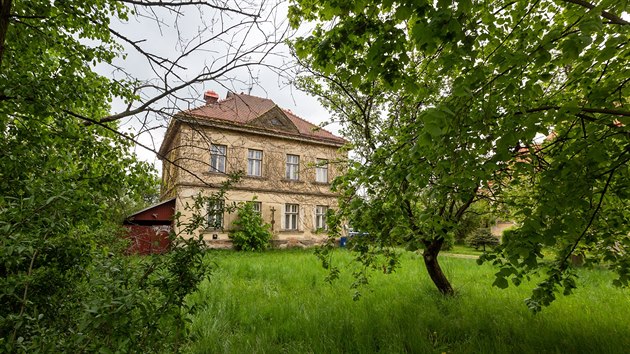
260 190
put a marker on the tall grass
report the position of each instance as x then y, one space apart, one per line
278 302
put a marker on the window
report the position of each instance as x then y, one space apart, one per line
257 206
291 216
321 171
215 214
293 167
217 158
254 162
320 217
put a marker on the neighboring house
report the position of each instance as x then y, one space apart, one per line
287 162
500 226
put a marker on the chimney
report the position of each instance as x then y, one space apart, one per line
211 97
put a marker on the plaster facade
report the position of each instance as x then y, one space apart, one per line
291 201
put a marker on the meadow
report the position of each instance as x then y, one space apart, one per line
278 302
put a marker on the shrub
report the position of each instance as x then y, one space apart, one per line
482 238
251 234
480 215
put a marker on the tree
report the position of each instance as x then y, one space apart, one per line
68 174
408 196
479 82
481 238
252 233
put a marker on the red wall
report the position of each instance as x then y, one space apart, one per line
149 228
148 239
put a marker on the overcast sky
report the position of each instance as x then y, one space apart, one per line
174 34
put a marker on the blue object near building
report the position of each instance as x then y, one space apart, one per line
342 241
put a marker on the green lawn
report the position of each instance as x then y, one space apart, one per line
278 302
461 249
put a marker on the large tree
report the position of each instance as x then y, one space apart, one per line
469 89
68 174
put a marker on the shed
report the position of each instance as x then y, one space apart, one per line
149 228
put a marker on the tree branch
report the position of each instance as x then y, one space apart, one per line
615 112
605 14
5 14
590 222
127 137
176 4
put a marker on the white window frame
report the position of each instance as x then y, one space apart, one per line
293 167
218 158
291 217
254 162
257 206
321 171
320 217
215 214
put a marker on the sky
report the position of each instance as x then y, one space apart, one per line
209 39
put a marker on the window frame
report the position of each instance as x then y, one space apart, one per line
321 165
215 218
320 214
253 161
292 168
256 206
291 217
217 157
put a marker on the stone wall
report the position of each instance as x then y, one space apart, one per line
272 189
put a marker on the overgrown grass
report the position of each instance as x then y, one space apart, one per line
462 249
278 302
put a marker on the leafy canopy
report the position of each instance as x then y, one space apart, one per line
466 90
66 183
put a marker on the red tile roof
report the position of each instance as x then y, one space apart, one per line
241 109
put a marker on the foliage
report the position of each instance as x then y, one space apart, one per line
251 232
414 245
67 180
481 238
465 90
66 284
480 215
60 187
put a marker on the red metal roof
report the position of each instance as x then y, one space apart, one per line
159 213
242 109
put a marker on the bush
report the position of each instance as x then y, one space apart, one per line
79 292
482 238
252 233
480 215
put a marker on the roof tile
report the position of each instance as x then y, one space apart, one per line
242 109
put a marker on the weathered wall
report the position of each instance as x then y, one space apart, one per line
271 189
500 226
272 208
193 152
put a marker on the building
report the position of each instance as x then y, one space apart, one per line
287 165
149 228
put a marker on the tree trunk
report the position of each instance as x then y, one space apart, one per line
5 13
430 255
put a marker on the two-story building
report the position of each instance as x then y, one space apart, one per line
287 165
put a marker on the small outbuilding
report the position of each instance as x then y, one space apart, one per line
149 228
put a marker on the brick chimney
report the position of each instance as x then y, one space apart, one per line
211 97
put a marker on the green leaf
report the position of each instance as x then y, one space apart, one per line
434 129
500 283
